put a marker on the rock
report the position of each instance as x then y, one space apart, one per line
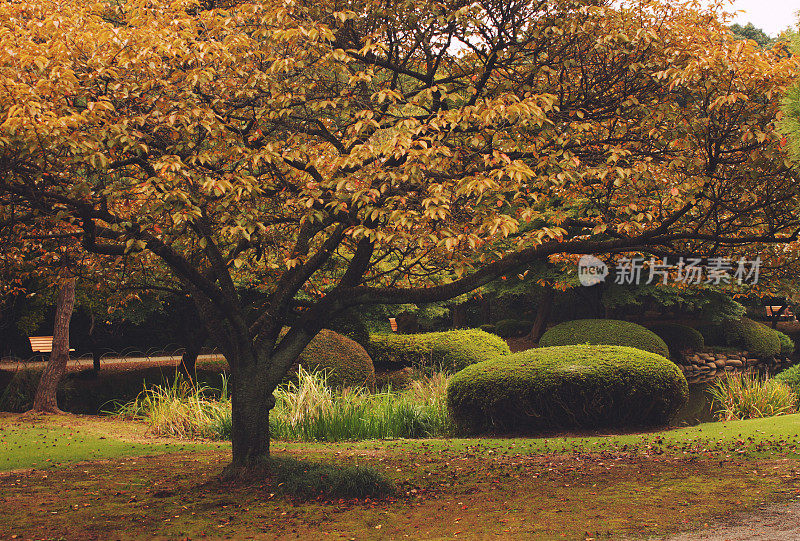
720 363
735 362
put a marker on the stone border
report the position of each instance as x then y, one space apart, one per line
698 365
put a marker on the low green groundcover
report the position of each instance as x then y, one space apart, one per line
563 387
611 332
449 350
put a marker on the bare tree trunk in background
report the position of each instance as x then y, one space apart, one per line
93 343
459 313
45 400
542 314
193 344
486 310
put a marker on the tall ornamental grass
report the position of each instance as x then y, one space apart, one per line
748 397
305 410
309 410
183 409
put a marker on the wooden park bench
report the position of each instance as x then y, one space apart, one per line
773 311
42 344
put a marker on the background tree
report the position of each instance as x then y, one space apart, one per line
750 31
363 152
45 399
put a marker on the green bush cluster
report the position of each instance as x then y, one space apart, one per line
610 332
752 336
448 350
787 344
679 337
791 377
488 327
560 387
509 328
346 363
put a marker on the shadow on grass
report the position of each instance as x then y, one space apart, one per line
308 480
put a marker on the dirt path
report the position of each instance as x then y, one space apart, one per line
86 362
769 523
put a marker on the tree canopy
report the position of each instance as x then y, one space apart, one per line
345 153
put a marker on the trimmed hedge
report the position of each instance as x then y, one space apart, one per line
611 332
754 337
345 361
679 337
508 328
488 327
787 344
449 350
578 386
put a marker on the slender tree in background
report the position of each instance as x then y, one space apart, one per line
342 154
45 398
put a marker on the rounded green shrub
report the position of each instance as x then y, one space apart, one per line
791 377
787 344
488 327
345 361
579 386
611 332
679 337
754 337
508 328
448 350
350 325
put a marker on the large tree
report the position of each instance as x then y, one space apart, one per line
347 153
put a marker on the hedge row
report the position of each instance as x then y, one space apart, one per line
679 338
560 387
449 350
752 336
610 332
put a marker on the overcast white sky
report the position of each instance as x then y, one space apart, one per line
772 16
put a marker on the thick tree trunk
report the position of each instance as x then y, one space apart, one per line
542 314
251 403
45 399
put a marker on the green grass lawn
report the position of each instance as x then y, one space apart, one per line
753 437
573 487
49 442
52 441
